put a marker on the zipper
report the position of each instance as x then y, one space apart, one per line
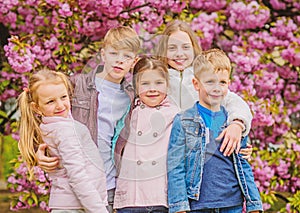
181 78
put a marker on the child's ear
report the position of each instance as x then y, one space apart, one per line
102 55
196 83
35 108
134 62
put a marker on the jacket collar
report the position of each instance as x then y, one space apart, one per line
164 103
192 114
186 72
54 119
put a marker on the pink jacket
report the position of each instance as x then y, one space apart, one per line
79 182
142 180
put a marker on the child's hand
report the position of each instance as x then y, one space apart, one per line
232 137
48 164
246 152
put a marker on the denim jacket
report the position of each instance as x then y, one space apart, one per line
186 154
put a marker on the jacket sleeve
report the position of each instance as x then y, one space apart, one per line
177 193
251 194
238 109
73 160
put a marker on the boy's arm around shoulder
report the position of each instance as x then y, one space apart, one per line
177 193
238 109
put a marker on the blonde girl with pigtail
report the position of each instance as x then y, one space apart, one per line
79 183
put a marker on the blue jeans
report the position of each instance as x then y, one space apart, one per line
234 209
144 209
110 200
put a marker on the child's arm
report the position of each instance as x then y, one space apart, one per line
239 118
246 152
48 164
252 196
177 194
238 109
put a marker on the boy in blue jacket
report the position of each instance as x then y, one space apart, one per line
200 178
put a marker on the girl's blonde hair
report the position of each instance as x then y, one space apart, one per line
30 133
174 26
149 63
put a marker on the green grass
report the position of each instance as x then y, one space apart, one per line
8 151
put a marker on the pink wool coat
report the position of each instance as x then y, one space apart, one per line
79 182
142 179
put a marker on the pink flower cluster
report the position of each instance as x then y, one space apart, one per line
27 190
247 16
282 5
209 6
263 47
22 61
207 26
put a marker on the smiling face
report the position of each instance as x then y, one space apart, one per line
212 88
151 87
117 63
180 52
53 100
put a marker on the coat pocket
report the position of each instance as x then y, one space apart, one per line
193 134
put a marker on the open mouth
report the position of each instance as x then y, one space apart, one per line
60 112
118 69
179 61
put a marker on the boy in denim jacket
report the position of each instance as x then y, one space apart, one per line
102 97
200 177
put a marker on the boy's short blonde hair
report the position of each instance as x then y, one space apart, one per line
122 37
213 59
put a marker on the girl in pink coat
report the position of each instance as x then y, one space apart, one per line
78 184
142 180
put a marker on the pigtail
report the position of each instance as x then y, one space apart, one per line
30 133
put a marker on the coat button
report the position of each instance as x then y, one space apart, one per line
153 162
142 106
139 162
155 134
139 133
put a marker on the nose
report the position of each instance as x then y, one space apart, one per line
121 58
59 104
217 87
152 87
179 52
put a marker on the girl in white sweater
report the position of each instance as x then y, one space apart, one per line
178 47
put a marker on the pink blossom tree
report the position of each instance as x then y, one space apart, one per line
261 37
